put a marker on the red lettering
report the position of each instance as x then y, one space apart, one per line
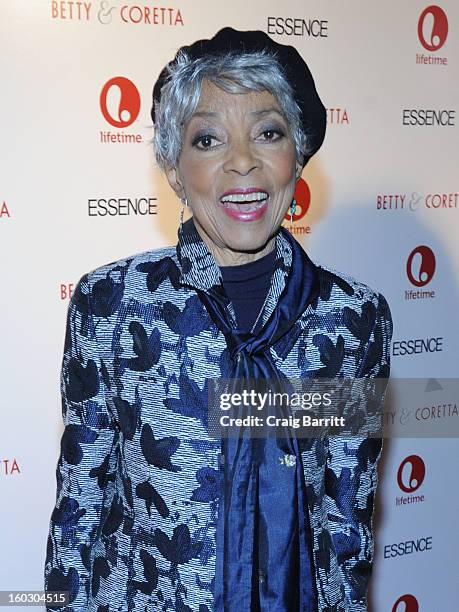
178 18
66 291
4 210
14 467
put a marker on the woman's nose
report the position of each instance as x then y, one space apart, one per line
241 158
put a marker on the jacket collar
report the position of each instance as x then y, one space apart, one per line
199 269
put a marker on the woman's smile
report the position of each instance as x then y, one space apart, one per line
248 204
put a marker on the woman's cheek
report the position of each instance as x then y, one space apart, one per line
199 176
282 170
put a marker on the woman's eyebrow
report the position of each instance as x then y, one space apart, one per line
263 111
205 114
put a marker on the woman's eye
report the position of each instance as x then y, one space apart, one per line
271 135
205 140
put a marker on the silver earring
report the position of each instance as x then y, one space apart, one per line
184 202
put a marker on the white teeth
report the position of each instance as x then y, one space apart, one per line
245 197
245 206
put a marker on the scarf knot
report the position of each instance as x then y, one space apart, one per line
244 344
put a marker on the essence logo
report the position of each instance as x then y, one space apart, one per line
420 268
410 476
412 346
406 603
113 207
290 26
429 116
119 103
407 547
303 200
432 34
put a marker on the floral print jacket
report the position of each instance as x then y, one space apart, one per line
137 499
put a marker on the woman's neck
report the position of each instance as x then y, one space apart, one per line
229 257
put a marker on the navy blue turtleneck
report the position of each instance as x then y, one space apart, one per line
247 286
282 574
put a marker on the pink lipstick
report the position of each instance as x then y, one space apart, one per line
245 203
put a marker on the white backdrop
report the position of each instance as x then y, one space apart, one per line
76 83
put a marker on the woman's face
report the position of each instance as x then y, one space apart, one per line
238 171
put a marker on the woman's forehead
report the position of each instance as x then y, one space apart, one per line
215 101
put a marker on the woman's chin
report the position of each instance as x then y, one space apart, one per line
248 241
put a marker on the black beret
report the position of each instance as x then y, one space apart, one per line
314 115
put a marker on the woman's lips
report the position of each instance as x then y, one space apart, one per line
246 211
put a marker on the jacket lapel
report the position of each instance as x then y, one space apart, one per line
198 268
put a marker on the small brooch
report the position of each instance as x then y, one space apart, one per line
288 460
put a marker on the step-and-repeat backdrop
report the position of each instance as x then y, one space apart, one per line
79 188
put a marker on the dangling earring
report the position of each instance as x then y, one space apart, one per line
184 202
292 209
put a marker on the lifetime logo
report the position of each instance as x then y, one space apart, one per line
411 473
406 603
120 102
420 266
433 28
410 476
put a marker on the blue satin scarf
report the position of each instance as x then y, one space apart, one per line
251 463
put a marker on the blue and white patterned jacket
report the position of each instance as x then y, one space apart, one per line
137 498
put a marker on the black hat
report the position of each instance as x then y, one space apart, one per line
314 116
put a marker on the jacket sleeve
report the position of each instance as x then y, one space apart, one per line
87 451
351 475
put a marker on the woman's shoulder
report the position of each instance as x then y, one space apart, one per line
133 259
127 271
345 287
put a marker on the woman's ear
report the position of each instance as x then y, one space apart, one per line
173 176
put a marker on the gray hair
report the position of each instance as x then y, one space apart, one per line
234 72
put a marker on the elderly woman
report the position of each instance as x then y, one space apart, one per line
152 512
